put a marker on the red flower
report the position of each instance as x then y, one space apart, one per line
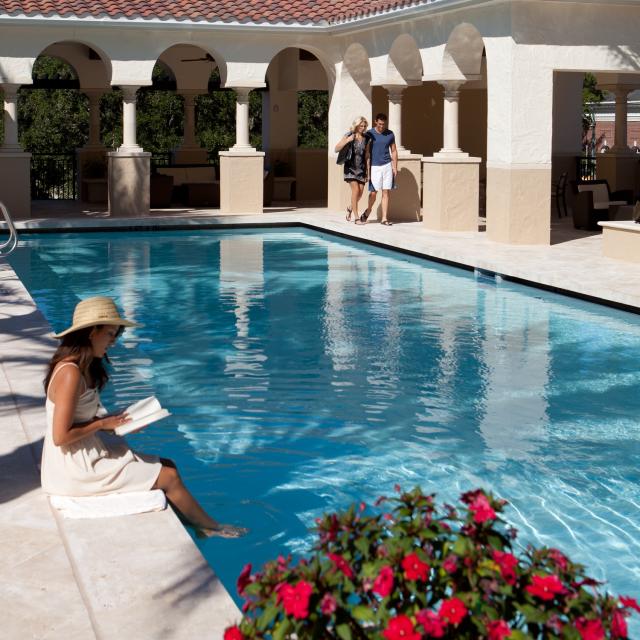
400 628
452 611
498 630
507 563
414 568
545 587
244 579
629 603
618 625
383 584
481 509
431 623
328 604
341 564
295 599
233 633
559 559
590 629
450 564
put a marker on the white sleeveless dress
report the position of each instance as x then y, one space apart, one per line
90 466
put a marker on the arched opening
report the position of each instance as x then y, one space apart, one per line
59 123
295 128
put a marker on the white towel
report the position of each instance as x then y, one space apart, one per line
113 504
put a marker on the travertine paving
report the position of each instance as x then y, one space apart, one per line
141 576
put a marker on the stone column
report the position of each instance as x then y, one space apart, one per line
450 120
395 114
242 167
621 146
10 143
451 179
129 166
242 120
190 152
15 164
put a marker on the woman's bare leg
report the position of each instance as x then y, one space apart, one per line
179 496
354 199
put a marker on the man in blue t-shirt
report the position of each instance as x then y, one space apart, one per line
382 164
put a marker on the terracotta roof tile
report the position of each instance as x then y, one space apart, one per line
259 11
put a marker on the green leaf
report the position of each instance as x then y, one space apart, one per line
462 546
268 616
343 631
282 629
532 614
362 612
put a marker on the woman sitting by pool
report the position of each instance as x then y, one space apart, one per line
76 461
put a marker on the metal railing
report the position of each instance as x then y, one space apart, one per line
54 176
8 246
586 168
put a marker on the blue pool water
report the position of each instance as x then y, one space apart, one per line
305 372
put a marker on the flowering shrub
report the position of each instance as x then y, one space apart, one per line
415 572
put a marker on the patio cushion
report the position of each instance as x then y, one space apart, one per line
600 195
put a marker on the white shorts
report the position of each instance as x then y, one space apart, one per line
381 177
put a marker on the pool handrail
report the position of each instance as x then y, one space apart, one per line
6 248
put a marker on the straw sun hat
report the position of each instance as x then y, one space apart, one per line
94 311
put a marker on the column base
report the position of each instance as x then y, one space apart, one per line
338 191
128 184
241 182
451 192
404 203
15 183
518 204
92 173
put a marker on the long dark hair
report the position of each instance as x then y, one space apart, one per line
76 347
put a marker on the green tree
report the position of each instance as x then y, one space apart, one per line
313 119
590 95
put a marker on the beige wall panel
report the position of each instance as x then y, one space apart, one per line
404 203
518 205
129 184
339 192
241 182
621 244
15 184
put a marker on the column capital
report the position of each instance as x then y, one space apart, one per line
242 93
129 92
395 91
451 88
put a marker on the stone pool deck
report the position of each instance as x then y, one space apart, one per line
142 576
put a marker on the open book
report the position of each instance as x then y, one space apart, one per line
142 413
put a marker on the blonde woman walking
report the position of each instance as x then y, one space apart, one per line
355 167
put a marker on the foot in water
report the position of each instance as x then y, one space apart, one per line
221 531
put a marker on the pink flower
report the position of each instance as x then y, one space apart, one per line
450 564
400 628
295 599
341 564
590 629
233 633
618 625
559 559
414 568
629 603
328 604
452 611
481 509
244 579
545 587
431 623
498 630
507 563
383 584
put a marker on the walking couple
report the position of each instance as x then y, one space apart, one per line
373 157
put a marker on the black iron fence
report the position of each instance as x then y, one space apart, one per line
587 168
54 176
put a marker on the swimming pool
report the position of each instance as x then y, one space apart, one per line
306 372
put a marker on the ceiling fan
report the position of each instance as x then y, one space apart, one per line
207 58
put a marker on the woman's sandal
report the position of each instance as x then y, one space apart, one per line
386 223
222 531
363 218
